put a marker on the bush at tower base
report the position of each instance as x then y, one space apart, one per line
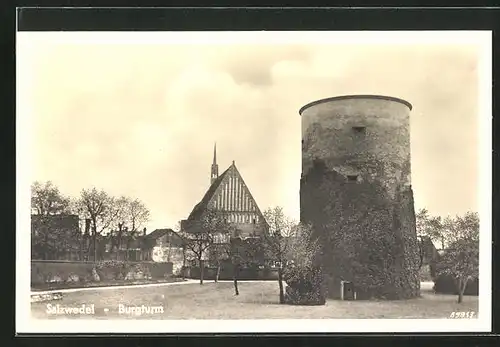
304 286
368 235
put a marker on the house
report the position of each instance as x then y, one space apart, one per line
166 246
158 246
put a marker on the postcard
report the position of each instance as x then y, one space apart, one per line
253 181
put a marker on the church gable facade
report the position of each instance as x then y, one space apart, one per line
233 198
229 195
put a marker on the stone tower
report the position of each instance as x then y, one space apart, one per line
356 192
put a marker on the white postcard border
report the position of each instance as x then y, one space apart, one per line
26 324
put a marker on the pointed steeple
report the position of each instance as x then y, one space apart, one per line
215 154
215 168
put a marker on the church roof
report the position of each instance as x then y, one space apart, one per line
203 204
217 187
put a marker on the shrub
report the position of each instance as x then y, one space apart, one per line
111 269
304 286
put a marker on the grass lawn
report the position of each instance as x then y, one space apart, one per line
257 300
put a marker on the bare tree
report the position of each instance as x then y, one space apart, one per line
461 259
220 251
46 199
201 236
118 227
277 241
102 210
136 215
235 254
131 215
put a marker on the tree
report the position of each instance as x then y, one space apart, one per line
220 251
129 219
102 210
51 233
179 233
235 253
240 253
429 230
422 221
117 235
302 247
434 227
446 233
200 237
135 217
46 199
277 241
461 259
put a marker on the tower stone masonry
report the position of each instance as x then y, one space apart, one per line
356 192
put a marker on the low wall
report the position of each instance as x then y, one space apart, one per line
44 272
227 274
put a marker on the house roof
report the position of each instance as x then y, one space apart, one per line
172 239
203 204
158 233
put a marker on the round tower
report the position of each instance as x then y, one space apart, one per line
356 192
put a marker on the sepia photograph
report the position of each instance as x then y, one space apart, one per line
253 181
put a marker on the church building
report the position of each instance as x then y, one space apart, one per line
229 195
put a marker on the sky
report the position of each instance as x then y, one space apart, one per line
140 118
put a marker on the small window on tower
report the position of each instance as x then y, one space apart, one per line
352 178
359 130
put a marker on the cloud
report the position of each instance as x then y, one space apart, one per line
252 64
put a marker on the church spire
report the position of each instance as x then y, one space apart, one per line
215 154
215 167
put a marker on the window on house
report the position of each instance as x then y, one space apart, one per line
254 221
352 178
359 130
